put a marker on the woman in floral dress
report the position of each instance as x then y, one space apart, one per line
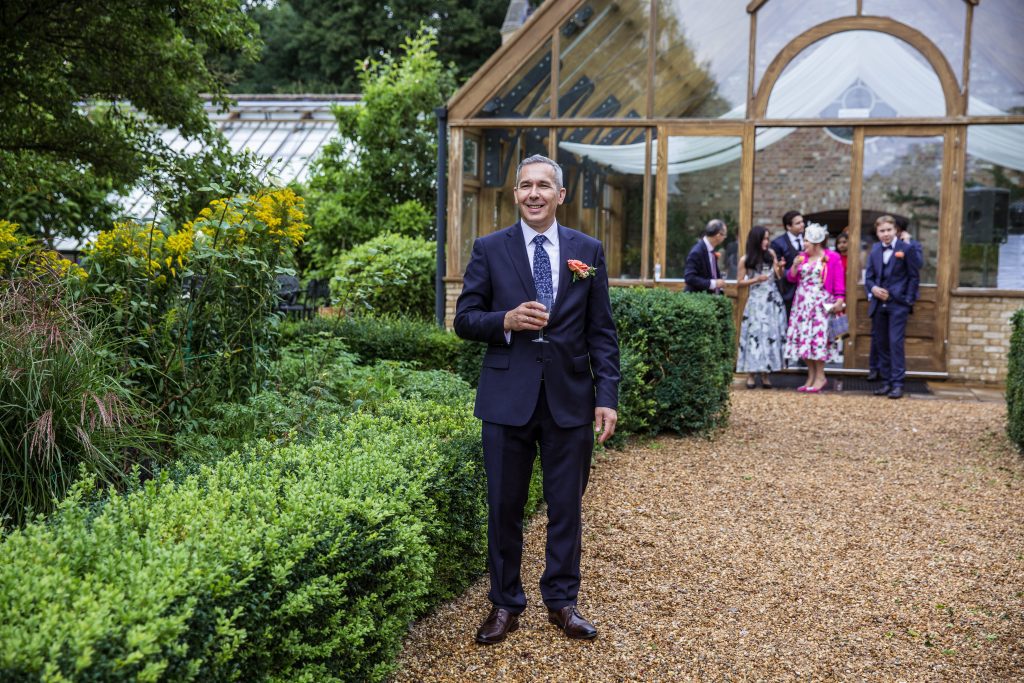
821 289
763 330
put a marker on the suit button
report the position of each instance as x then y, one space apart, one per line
540 359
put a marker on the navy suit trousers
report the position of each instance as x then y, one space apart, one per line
889 329
509 453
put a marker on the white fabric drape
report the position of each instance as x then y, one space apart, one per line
884 63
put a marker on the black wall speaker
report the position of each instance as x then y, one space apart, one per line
985 214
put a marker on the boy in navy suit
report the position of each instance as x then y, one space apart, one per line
551 395
891 279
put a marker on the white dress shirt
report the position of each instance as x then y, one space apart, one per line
796 241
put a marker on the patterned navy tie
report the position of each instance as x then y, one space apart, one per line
542 271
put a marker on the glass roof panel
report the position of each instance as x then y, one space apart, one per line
603 60
857 74
528 93
701 60
941 20
780 21
997 60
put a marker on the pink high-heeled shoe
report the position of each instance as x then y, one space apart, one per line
803 389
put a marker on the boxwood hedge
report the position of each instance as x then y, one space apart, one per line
678 356
1015 382
303 562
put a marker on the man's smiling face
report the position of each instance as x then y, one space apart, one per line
538 195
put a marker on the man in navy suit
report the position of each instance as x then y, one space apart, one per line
552 395
891 280
916 252
786 247
701 272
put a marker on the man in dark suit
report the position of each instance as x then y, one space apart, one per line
916 252
786 247
891 280
552 395
701 272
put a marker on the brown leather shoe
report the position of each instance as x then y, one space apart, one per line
498 624
572 623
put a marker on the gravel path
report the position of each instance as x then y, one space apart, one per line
814 539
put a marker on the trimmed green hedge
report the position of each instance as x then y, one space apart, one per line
678 356
305 562
420 343
1015 382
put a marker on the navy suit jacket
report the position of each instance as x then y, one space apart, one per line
580 365
697 273
784 249
901 278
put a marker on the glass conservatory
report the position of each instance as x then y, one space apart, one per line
667 113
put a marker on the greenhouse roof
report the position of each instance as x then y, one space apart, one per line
286 130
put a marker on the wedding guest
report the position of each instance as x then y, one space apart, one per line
763 330
842 247
526 405
701 272
786 247
891 282
820 291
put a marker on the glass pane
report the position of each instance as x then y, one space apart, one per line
471 157
992 236
604 180
780 21
941 20
903 178
703 183
603 67
805 170
997 61
857 74
701 58
501 149
528 93
470 224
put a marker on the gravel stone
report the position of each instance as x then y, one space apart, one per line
827 537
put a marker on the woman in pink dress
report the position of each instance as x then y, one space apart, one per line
821 289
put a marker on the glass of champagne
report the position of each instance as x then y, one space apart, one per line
545 301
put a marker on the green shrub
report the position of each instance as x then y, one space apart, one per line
305 562
390 274
194 303
682 343
64 403
1015 382
418 342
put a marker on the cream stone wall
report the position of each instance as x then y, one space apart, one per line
451 295
979 337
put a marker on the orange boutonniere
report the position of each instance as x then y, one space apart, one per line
898 254
580 270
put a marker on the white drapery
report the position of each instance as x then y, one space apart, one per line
884 63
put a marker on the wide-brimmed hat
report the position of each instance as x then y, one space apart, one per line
815 233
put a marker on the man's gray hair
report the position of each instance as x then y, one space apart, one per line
714 227
540 159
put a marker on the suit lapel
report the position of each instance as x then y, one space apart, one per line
520 261
566 251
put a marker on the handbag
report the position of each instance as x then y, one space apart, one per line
838 326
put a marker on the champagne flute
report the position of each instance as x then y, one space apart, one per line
545 301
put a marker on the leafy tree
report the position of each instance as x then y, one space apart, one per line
61 158
311 45
379 174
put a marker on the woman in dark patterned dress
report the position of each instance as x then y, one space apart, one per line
763 330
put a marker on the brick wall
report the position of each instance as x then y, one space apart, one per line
451 295
979 337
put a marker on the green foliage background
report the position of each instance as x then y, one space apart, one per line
60 159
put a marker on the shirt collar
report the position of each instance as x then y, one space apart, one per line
707 243
795 239
529 233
